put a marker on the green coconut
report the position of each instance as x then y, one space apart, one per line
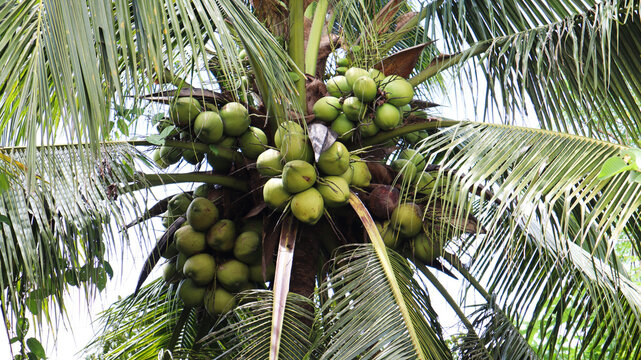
219 301
208 127
184 110
188 241
202 214
298 175
201 268
334 160
387 117
284 128
354 109
354 73
338 86
414 156
295 146
233 275
425 249
248 247
343 127
235 119
398 91
275 195
308 206
269 163
334 190
365 89
191 294
221 236
361 177
253 142
179 203
327 108
407 219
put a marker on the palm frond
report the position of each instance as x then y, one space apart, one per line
245 332
360 316
574 61
554 224
56 233
141 326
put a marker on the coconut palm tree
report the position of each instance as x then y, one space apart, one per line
528 215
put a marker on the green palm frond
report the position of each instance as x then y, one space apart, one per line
554 224
575 61
55 233
360 316
142 326
244 333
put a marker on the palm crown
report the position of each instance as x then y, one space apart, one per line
528 217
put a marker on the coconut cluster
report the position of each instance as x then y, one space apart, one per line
228 127
364 102
212 258
302 185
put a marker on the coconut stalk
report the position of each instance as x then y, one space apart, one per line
297 45
313 43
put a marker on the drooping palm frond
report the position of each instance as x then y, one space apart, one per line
65 64
55 233
142 326
244 333
576 61
360 316
554 224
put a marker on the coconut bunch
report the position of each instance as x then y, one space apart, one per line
303 184
362 103
213 258
227 127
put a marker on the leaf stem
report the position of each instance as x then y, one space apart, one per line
212 179
313 42
431 123
446 295
222 152
441 63
297 45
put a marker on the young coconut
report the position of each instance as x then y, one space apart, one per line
248 247
188 241
191 294
334 190
208 127
202 214
275 195
338 86
221 236
327 108
219 301
298 175
407 219
184 110
201 268
269 163
253 142
233 275
235 119
334 160
308 206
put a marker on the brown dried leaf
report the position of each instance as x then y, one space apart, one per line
204 95
383 19
402 63
404 19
